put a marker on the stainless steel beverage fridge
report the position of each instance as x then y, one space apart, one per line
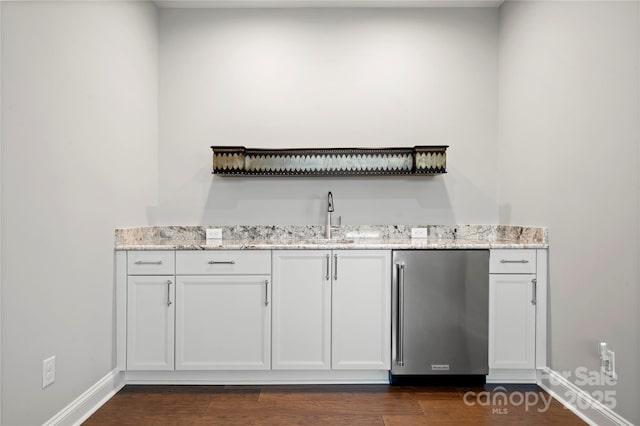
440 312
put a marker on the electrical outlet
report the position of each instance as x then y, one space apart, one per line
604 359
602 349
610 364
214 234
419 232
607 361
48 371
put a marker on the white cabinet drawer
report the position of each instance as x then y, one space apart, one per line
512 261
150 262
223 262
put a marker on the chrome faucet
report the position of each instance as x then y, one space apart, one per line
327 229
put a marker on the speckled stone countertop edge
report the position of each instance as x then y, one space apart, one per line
309 237
328 246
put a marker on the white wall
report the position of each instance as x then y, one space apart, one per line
79 158
570 138
327 77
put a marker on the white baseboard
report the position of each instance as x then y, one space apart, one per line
86 404
512 376
588 409
257 377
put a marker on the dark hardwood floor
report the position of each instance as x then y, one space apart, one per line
332 405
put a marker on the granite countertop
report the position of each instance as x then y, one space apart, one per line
309 237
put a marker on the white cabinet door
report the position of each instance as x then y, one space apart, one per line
223 322
301 333
150 322
361 309
512 316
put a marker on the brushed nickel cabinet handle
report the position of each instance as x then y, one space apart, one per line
266 292
514 261
142 262
169 302
222 262
335 267
534 286
328 269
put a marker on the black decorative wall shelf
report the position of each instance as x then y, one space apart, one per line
416 161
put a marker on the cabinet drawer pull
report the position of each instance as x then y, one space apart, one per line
266 292
169 302
534 285
222 262
142 262
328 266
335 266
514 261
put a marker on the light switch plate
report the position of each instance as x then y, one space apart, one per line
214 234
419 232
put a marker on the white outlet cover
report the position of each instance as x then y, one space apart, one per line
419 233
611 371
214 234
48 371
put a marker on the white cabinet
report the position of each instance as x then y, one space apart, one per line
517 314
214 315
361 310
223 262
223 310
306 315
331 309
223 322
150 297
155 262
150 322
512 321
301 333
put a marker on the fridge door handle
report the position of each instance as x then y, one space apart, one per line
400 319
